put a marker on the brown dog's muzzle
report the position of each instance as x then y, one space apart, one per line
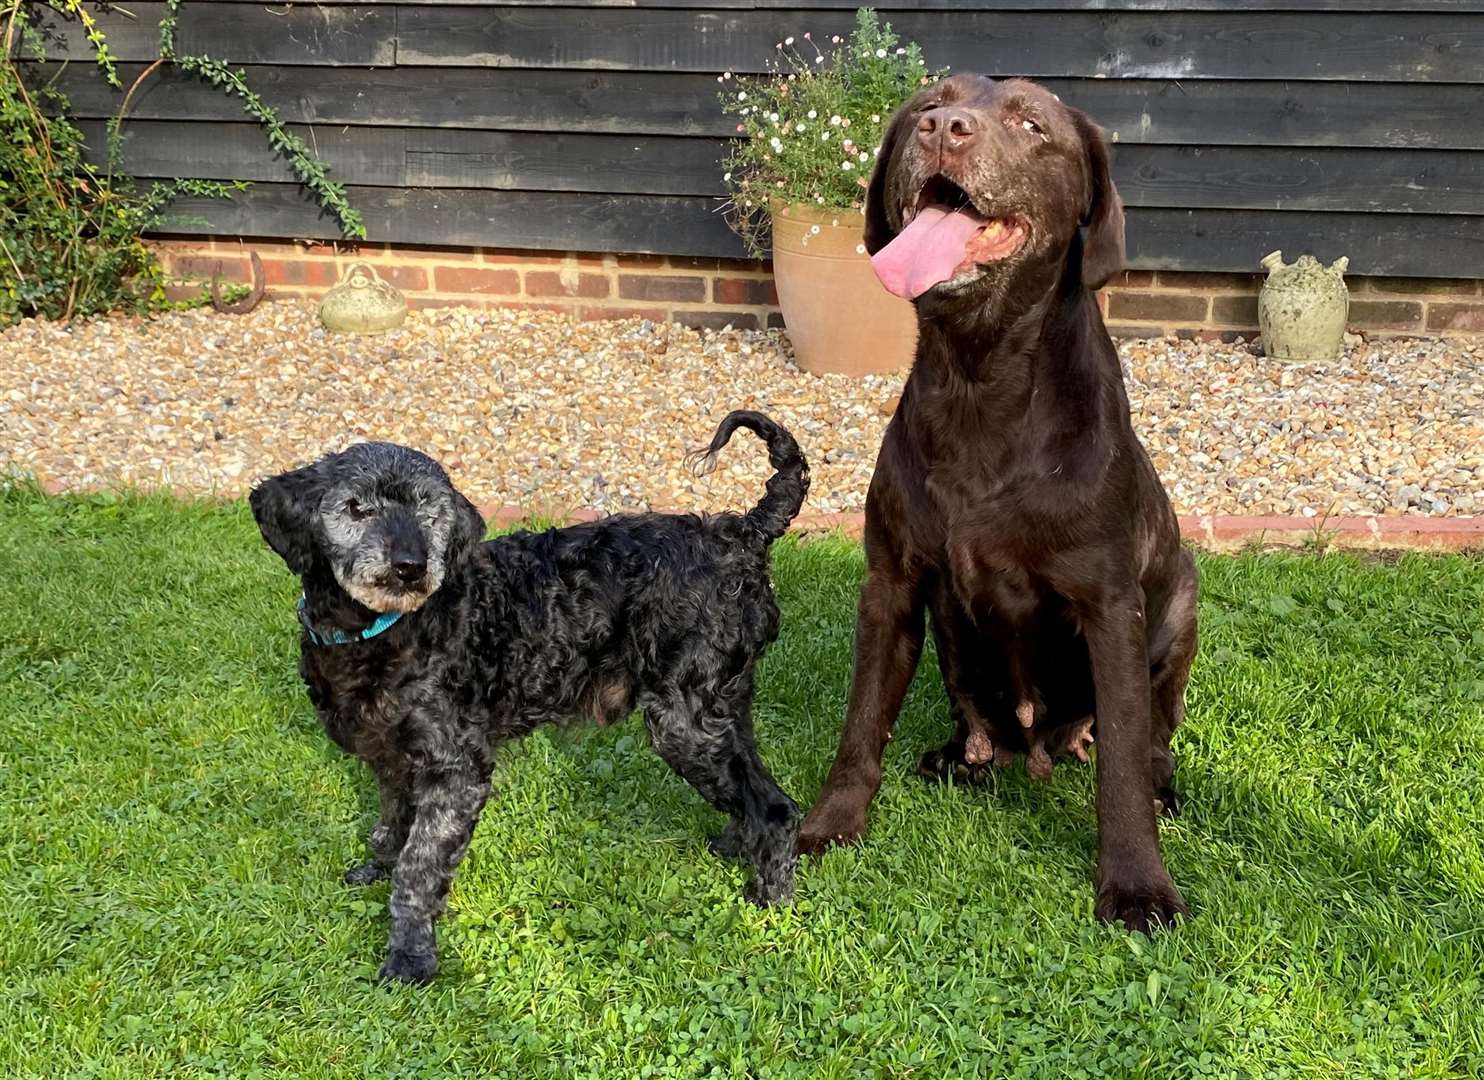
944 236
947 131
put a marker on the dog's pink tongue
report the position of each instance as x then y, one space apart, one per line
926 252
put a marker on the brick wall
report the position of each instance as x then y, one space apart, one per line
715 292
696 292
1144 303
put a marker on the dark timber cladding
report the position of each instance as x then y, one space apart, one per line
1338 126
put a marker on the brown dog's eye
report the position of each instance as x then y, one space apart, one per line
1031 126
356 510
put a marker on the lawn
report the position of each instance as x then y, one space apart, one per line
173 826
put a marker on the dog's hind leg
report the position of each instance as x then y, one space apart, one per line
390 832
713 749
447 800
1171 653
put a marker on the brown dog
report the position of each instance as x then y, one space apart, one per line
1011 498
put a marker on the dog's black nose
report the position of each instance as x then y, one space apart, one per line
410 569
954 128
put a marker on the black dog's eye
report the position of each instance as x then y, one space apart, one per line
356 510
1027 124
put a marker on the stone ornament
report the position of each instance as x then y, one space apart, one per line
1302 308
362 303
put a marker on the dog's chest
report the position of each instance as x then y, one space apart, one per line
990 584
360 706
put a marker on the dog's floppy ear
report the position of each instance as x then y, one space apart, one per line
287 509
467 531
878 230
1103 246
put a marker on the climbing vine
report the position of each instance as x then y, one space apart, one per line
308 168
71 228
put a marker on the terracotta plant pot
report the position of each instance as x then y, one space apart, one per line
838 316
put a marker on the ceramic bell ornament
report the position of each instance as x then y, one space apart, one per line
362 303
1302 308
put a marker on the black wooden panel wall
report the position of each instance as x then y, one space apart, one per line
1342 126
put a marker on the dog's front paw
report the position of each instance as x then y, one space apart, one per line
1142 905
836 819
766 893
416 968
366 874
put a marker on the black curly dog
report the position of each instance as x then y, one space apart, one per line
423 647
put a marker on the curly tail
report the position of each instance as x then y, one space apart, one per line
786 488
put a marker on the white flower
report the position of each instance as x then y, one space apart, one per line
845 122
773 117
776 143
860 249
788 41
876 152
865 156
726 176
814 228
824 136
742 96
817 60
818 199
800 129
726 75
875 119
847 166
901 52
812 114
835 40
880 54
834 121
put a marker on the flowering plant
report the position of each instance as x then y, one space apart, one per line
811 128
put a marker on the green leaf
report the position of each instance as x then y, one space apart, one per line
1282 605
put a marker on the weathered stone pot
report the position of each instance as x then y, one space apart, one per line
362 303
839 318
1302 309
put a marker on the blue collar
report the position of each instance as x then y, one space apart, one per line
340 637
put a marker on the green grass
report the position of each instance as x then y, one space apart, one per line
173 826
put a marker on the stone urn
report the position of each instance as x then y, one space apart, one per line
839 317
1302 308
362 303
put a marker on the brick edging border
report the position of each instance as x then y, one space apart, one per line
1219 532
1214 532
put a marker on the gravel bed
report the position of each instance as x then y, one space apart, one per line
533 409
